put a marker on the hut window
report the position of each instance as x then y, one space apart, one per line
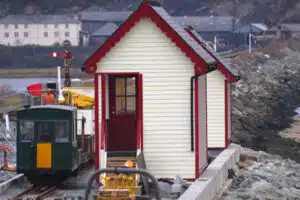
125 94
61 131
27 130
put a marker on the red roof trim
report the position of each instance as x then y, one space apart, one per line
232 78
144 11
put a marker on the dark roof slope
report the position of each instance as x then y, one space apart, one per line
106 30
226 70
209 23
183 34
38 19
105 16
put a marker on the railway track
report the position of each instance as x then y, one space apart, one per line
34 193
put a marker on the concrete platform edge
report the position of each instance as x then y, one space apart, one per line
5 185
214 177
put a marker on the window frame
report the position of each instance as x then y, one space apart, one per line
21 134
67 130
125 95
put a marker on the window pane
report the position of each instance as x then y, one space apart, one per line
62 131
120 105
130 86
120 86
131 104
27 130
44 132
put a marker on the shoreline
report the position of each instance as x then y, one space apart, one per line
40 73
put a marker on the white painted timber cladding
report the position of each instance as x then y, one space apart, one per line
215 109
166 96
229 110
202 123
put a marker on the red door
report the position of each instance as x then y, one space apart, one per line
121 125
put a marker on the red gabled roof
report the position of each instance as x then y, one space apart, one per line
163 21
220 66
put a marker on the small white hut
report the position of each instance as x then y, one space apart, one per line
150 95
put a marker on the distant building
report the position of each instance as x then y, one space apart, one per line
94 20
210 26
286 31
242 33
44 30
100 35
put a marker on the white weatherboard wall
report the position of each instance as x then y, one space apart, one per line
215 109
202 123
166 96
229 109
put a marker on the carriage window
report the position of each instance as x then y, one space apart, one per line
27 130
44 134
62 131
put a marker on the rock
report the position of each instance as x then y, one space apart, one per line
297 185
248 156
275 178
243 165
231 174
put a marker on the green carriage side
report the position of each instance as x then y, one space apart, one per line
47 141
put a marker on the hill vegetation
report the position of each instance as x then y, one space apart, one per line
265 98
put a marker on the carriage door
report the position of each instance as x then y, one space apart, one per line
121 125
44 138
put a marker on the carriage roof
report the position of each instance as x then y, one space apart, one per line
56 107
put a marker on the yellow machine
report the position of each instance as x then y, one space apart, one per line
82 97
122 185
119 187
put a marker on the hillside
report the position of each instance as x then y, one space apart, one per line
268 11
265 98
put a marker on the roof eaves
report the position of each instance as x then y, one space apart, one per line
185 36
210 50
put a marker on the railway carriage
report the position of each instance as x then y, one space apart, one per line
48 146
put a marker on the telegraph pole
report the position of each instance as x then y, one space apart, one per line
67 63
68 57
250 42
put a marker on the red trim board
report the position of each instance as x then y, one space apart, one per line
197 167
